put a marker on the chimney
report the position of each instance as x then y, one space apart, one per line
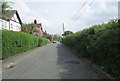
35 21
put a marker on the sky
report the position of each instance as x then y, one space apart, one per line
53 13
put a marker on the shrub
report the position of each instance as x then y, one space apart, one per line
100 44
16 42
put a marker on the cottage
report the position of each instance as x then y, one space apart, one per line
11 22
39 28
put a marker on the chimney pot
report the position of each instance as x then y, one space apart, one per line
35 21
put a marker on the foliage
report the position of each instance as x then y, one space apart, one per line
100 44
6 8
16 42
56 37
67 33
29 28
0 44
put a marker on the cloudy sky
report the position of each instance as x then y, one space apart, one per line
52 13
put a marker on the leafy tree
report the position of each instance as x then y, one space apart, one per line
29 28
57 37
6 8
67 33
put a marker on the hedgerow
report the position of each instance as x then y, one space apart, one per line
16 42
100 44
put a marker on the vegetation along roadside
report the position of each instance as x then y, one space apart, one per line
100 44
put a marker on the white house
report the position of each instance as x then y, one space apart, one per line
12 22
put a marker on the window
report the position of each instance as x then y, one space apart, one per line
11 26
4 25
17 27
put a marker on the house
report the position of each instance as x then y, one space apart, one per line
39 28
40 32
11 22
48 37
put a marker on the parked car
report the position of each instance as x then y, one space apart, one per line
54 41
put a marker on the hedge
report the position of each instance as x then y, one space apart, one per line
17 42
100 44
0 44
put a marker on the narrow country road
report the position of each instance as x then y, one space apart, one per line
53 61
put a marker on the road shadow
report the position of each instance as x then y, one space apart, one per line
72 67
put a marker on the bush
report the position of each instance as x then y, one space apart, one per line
100 44
0 44
16 42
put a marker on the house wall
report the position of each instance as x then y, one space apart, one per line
14 26
14 23
39 27
4 24
14 18
40 32
9 25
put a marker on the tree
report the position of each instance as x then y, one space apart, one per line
6 8
29 28
67 33
57 37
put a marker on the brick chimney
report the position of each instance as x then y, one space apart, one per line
35 21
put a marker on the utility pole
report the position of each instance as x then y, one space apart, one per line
63 29
119 12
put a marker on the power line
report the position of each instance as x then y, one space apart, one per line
91 2
74 17
81 13
77 17
80 9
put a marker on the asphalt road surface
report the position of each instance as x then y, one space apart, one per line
53 61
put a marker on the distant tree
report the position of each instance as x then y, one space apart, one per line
67 33
45 32
29 28
57 37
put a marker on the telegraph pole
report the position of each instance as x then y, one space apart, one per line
119 12
63 29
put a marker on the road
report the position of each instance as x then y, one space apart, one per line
53 61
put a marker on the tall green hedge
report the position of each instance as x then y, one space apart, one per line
100 44
0 44
16 42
